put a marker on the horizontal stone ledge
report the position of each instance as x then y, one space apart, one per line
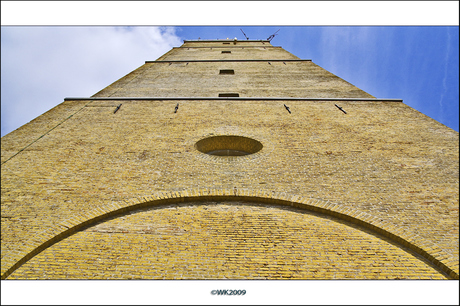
240 46
226 40
234 98
231 60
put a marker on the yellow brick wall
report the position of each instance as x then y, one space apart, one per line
269 72
220 240
382 159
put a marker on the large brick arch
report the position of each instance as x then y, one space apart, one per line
401 237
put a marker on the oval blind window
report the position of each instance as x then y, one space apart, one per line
228 145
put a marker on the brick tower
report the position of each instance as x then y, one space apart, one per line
230 159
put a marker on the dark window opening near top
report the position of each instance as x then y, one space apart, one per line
227 71
226 51
226 43
230 94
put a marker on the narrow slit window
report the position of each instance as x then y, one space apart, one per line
227 71
229 94
226 43
226 51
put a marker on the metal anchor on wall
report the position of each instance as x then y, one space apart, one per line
116 110
287 108
340 108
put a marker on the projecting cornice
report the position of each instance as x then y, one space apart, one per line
231 60
236 98
228 40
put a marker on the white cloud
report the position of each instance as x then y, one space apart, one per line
43 65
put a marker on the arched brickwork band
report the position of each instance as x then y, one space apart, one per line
403 238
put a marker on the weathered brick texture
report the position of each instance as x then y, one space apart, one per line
382 162
224 240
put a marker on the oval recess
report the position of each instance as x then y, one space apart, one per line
228 145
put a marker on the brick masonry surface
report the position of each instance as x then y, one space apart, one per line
267 76
381 159
224 240
250 79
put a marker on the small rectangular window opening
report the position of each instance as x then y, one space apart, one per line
226 51
229 94
227 71
226 43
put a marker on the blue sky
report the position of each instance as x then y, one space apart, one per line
43 65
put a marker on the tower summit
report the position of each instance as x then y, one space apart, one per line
230 159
